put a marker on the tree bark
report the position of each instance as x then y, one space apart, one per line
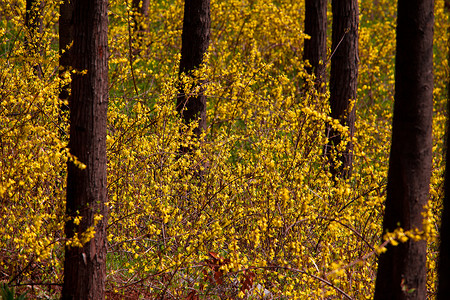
444 251
315 48
402 269
195 41
343 82
84 267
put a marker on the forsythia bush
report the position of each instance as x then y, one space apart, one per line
252 212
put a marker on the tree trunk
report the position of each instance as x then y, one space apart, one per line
315 49
143 10
33 20
343 82
402 270
65 39
33 23
84 267
139 12
444 251
195 40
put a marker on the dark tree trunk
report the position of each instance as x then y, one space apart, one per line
343 81
33 23
316 46
33 19
143 10
65 39
140 10
402 270
444 251
84 267
195 40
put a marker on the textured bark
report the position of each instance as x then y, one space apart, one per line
315 48
343 80
444 251
195 40
84 267
402 270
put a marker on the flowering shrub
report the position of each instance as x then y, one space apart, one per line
254 210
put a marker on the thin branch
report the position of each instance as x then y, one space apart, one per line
360 259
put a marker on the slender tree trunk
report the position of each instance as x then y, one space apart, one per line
33 20
402 269
343 82
140 10
195 41
33 23
65 59
84 267
444 251
315 50
65 40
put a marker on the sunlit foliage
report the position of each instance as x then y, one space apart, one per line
253 211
